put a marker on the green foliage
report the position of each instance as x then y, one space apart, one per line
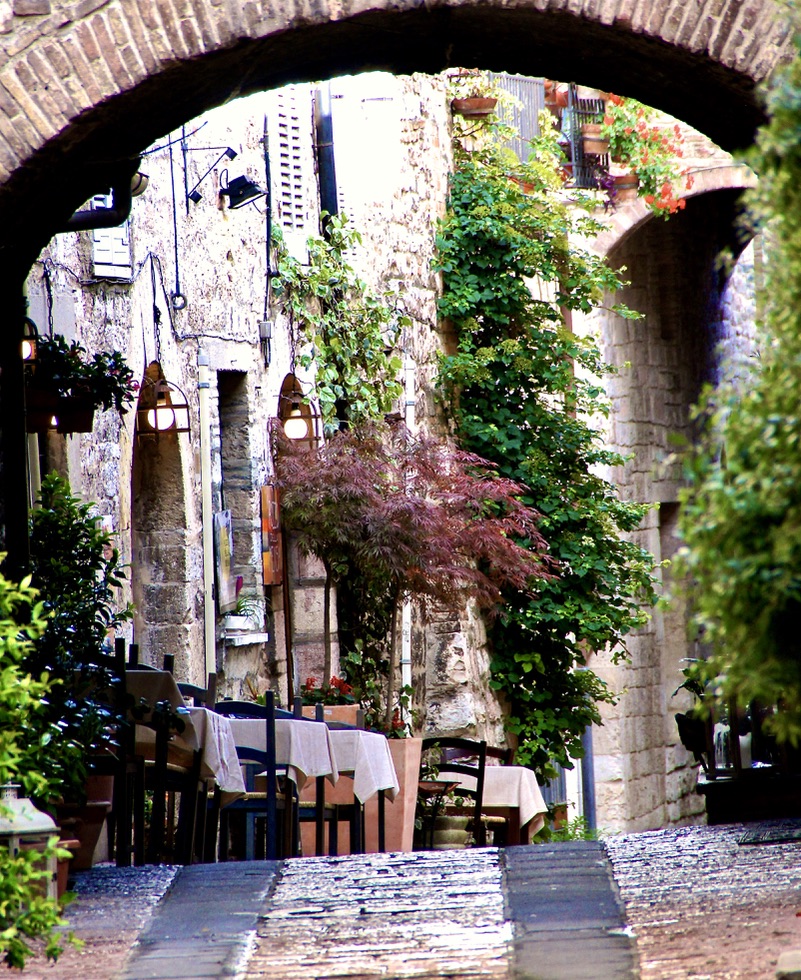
26 915
741 516
523 392
66 369
575 829
76 572
349 332
28 919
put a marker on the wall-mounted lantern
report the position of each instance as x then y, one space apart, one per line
162 410
30 336
297 419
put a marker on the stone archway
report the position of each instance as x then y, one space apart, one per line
164 608
644 778
84 89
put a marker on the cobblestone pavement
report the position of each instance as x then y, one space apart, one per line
701 905
110 909
704 907
437 914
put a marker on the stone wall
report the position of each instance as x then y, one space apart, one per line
698 314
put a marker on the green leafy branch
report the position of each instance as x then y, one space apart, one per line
349 333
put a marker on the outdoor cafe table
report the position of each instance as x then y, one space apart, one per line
304 747
366 759
366 756
515 788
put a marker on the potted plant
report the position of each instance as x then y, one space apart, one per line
472 94
650 152
245 614
65 383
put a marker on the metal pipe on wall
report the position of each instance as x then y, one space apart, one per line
209 617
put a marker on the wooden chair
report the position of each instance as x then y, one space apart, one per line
169 777
503 821
201 697
268 804
126 820
166 778
448 756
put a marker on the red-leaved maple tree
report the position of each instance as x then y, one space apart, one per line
394 516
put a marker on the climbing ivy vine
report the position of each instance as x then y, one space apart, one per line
347 332
525 392
741 514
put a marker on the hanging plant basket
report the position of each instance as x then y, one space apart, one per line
72 413
75 414
474 107
40 408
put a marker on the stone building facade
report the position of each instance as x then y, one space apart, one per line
188 280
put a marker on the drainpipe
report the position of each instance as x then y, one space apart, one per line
324 137
209 619
121 197
588 779
406 611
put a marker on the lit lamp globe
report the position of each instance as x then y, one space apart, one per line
162 417
295 426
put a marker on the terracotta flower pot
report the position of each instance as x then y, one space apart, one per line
626 186
63 867
594 143
474 107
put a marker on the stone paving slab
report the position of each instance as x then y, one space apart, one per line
568 918
205 924
702 907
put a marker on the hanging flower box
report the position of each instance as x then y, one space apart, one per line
475 107
64 383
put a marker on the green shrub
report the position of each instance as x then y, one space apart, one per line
28 920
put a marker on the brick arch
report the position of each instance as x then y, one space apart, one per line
624 221
86 85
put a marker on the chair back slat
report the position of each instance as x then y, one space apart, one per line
202 697
462 757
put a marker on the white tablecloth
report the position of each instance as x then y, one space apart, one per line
305 747
213 736
510 786
367 756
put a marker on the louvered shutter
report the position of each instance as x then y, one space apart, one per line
111 247
524 117
293 119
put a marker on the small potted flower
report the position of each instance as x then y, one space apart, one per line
472 94
337 697
651 154
66 383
